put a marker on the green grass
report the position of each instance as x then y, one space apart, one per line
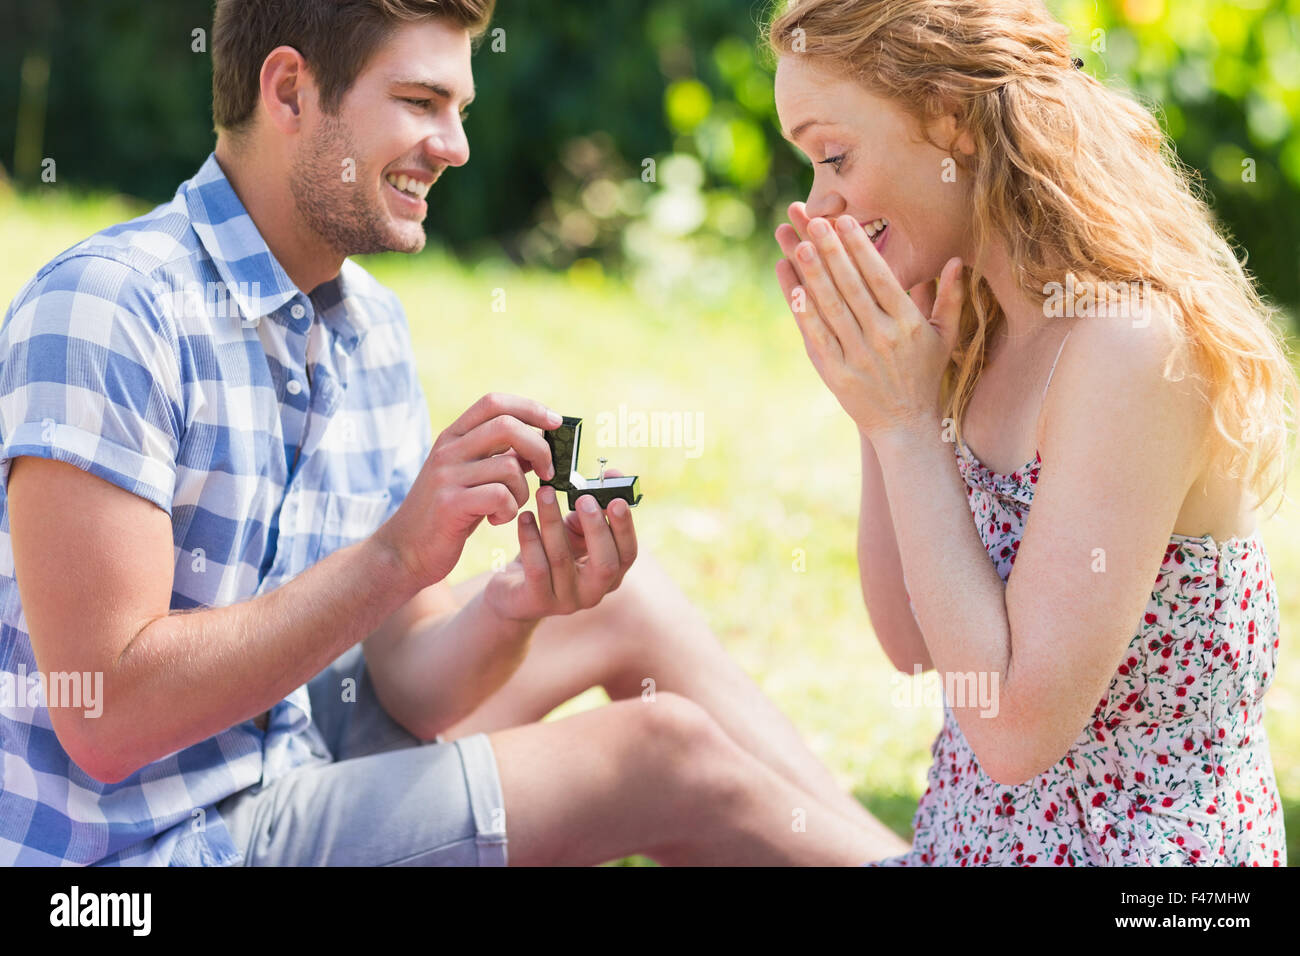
777 471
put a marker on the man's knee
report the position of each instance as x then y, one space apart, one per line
675 722
690 746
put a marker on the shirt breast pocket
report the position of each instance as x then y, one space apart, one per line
351 517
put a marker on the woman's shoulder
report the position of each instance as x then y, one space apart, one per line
1147 358
1144 338
1135 370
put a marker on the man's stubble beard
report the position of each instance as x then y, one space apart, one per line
340 212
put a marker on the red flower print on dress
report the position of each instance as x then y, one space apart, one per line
1166 772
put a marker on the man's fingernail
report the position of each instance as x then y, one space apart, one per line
588 504
546 494
554 417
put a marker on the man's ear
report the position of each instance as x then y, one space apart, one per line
286 84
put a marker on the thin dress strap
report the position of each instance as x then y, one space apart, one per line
1054 361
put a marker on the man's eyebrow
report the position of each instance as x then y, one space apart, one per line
798 130
435 88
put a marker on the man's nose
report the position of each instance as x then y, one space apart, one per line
448 147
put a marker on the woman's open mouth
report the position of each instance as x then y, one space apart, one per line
876 232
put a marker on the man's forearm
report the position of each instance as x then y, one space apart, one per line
190 675
444 667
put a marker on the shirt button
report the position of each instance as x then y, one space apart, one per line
294 386
297 311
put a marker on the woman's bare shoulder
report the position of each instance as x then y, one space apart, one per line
1137 352
1152 356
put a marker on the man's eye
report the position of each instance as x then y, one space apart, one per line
835 161
415 102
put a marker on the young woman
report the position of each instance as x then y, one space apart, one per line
1129 653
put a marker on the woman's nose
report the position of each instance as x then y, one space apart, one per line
825 205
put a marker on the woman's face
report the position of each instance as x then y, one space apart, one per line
872 163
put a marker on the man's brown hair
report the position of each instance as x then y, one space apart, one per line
335 37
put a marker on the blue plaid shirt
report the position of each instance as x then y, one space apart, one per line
172 356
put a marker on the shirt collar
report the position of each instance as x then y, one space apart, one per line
253 276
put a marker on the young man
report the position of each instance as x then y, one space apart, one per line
219 476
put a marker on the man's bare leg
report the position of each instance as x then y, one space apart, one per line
648 629
664 780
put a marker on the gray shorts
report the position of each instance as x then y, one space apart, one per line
385 799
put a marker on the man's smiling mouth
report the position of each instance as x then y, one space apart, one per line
409 186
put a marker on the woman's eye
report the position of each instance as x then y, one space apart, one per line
835 161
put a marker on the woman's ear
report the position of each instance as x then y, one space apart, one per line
965 142
948 130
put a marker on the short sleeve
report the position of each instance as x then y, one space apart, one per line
90 375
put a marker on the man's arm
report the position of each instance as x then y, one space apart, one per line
449 649
430 670
95 562
94 566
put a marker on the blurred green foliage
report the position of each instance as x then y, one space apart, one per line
1225 78
641 136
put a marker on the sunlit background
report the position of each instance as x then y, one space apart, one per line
609 244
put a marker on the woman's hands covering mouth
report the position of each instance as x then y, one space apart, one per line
881 351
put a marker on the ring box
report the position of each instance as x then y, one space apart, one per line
563 442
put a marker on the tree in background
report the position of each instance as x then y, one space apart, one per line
640 137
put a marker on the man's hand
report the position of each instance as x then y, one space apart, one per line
566 565
574 529
475 471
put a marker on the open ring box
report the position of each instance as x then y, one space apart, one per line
563 442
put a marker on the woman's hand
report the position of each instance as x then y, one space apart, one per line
880 352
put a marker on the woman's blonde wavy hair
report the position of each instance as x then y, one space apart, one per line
1077 179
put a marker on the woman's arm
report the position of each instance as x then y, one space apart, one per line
1121 449
881 571
1122 446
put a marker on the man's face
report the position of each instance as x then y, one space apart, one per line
359 177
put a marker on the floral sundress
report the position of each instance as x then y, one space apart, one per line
1173 767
